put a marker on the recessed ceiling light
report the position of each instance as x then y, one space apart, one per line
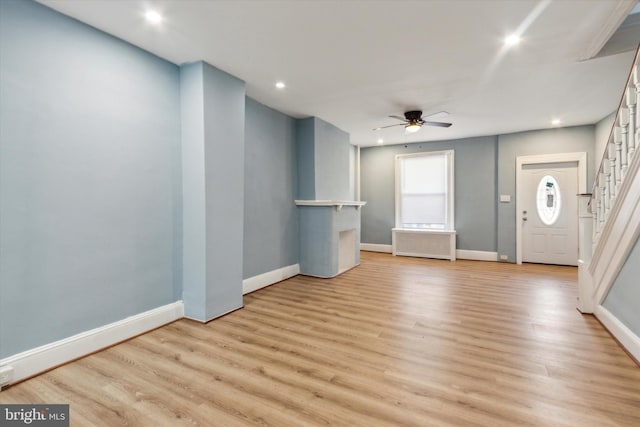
153 16
280 85
380 141
556 122
512 40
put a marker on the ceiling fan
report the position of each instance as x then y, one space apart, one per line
413 121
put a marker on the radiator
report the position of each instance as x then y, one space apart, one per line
424 243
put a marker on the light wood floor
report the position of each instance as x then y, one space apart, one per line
394 342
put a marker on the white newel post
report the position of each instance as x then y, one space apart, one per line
585 281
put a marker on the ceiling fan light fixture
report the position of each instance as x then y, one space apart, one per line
412 127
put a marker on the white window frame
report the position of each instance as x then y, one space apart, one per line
450 154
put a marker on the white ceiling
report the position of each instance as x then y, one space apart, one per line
353 63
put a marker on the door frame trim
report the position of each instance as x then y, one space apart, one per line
580 157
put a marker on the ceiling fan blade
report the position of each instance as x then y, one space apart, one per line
437 115
399 118
390 126
439 124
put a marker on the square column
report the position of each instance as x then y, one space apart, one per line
212 109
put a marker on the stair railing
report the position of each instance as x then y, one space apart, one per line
620 151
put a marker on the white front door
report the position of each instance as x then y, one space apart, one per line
549 217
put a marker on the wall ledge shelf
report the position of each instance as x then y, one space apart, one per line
338 204
424 230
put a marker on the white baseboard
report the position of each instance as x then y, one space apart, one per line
374 247
39 359
476 255
460 253
269 278
626 337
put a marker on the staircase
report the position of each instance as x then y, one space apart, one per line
614 206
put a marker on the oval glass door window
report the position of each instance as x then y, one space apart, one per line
548 200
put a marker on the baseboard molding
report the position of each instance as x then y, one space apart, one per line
269 278
48 356
374 247
476 255
460 253
624 335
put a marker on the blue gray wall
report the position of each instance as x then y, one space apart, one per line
485 168
306 158
89 178
332 167
325 161
624 296
475 190
511 146
270 215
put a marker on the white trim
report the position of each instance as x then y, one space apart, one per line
460 253
269 278
40 359
585 288
476 255
619 234
358 173
626 337
375 247
621 9
580 157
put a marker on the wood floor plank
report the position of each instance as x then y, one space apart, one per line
396 341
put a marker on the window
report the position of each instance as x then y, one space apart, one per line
424 190
548 200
